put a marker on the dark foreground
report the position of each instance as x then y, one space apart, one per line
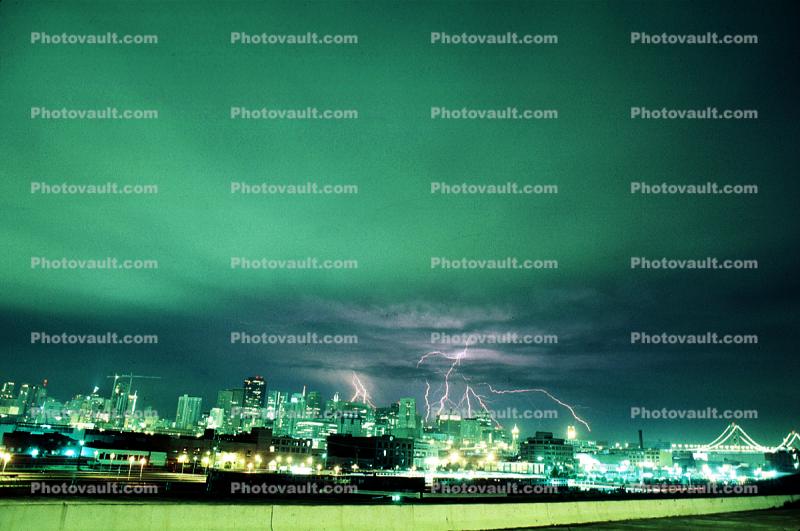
785 519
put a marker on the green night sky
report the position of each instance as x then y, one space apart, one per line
393 226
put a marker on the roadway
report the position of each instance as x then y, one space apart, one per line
26 477
785 519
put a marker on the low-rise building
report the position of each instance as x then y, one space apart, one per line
385 452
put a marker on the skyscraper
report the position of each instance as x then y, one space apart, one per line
408 424
189 411
276 411
23 398
230 402
313 404
253 402
254 392
119 401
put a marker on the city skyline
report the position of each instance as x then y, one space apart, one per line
461 264
503 417
400 224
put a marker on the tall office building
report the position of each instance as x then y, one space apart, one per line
450 424
276 411
408 422
313 404
254 392
189 412
42 397
253 404
23 398
352 418
294 411
31 399
120 396
386 419
225 400
230 402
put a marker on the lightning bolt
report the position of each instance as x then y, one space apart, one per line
446 394
478 398
427 400
445 398
357 389
545 392
470 394
360 391
465 398
435 353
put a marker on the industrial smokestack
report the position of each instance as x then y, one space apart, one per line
641 440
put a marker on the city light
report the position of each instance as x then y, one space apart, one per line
183 459
304 434
435 265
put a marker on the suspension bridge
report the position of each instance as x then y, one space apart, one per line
734 439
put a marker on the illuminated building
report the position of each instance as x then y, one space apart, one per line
450 425
386 419
120 395
7 392
571 433
253 400
188 413
353 418
317 430
276 411
408 422
254 392
230 402
216 418
386 452
295 411
313 405
553 453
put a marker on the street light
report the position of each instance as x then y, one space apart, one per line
131 460
182 460
142 462
205 462
6 458
111 464
258 460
